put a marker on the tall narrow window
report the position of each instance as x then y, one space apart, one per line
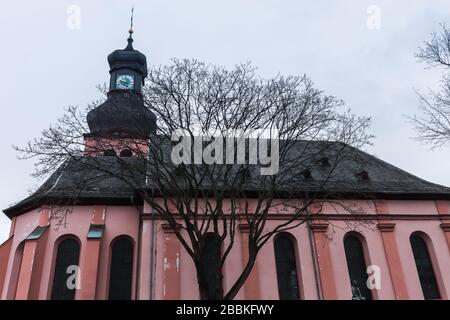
286 268
120 278
357 268
68 255
210 263
424 268
15 272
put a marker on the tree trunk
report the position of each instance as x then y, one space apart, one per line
210 278
209 270
242 278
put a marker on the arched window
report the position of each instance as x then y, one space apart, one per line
109 153
424 267
15 272
121 272
210 262
68 254
286 268
357 268
126 153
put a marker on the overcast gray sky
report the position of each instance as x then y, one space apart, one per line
49 63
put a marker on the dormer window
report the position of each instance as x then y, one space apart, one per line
180 171
307 174
363 175
324 162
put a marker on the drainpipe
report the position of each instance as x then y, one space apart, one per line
152 256
315 262
139 248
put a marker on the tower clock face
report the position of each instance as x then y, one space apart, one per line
125 82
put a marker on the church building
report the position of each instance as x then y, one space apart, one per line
119 250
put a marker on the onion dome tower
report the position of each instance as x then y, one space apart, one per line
123 114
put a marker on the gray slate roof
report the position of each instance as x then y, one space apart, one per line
73 181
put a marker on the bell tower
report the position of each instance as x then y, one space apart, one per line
123 116
128 67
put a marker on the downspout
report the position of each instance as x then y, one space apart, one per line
139 256
152 244
152 255
153 259
315 262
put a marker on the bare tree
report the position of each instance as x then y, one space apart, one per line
205 202
433 124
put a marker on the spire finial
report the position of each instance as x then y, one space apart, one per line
130 38
131 20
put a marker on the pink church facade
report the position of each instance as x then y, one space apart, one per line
163 270
122 251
